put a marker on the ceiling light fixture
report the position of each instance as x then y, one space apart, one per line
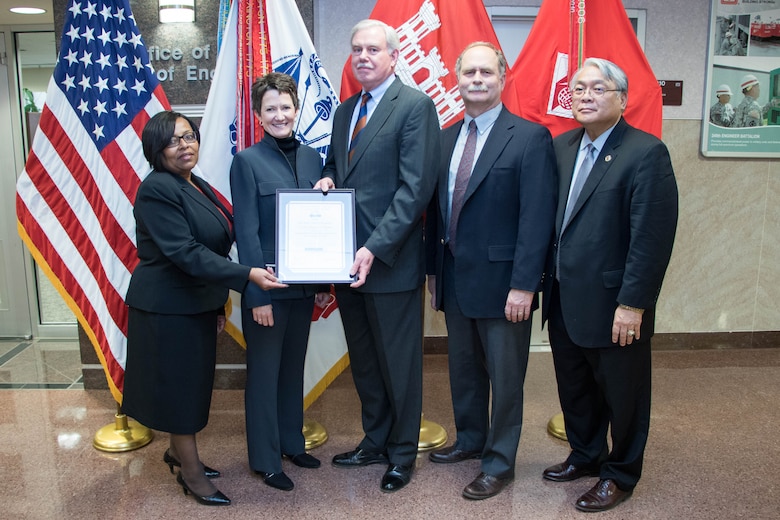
175 11
27 10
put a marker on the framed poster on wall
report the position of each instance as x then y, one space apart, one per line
742 96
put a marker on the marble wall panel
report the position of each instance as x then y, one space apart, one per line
713 278
767 305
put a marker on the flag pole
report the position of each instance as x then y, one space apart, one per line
124 435
314 434
432 435
556 427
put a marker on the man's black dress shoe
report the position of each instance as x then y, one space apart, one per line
172 461
277 480
396 477
358 457
453 454
604 495
485 486
215 499
565 472
304 460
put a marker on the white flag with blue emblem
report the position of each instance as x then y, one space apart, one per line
293 53
218 127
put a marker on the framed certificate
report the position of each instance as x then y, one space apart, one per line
315 236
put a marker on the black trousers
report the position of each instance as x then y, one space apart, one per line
274 383
599 389
488 358
384 338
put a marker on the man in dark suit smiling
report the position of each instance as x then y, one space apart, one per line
385 146
488 235
616 220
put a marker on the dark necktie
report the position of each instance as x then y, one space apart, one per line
579 182
462 181
360 124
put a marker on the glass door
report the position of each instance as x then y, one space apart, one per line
14 309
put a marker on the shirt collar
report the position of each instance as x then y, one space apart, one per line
600 141
485 120
378 92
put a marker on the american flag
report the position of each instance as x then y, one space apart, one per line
74 200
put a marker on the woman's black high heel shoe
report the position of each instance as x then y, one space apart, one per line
171 461
216 499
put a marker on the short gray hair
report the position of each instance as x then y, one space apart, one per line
391 37
609 70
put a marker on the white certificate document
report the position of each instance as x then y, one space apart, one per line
315 236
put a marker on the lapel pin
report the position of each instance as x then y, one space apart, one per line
607 158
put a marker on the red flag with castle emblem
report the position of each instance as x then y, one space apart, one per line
566 33
433 33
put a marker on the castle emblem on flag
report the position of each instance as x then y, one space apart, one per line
424 71
559 103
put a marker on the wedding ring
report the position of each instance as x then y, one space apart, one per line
631 332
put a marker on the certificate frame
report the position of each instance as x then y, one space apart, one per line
315 236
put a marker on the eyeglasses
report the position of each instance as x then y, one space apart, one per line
188 138
578 92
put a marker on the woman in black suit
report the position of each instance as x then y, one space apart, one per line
176 297
275 323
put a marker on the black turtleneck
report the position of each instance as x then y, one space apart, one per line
289 147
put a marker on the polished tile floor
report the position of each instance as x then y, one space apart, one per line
40 364
712 453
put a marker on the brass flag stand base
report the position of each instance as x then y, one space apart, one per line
124 435
556 427
432 435
314 434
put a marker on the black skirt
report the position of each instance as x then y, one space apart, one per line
169 373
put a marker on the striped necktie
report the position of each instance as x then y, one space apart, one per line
360 124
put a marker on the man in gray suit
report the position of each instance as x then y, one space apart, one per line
616 220
488 235
385 146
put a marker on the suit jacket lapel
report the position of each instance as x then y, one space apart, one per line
567 162
450 137
496 142
377 120
607 155
341 150
216 208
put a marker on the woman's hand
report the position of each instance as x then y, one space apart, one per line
263 315
265 278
